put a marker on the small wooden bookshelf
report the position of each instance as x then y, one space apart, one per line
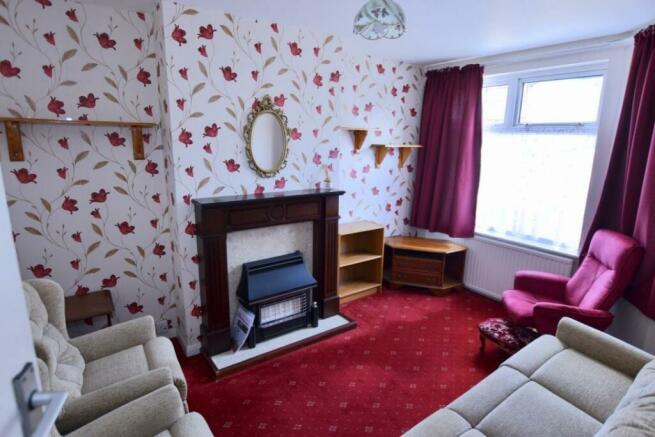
361 250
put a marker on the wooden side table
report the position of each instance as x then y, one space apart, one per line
98 303
421 262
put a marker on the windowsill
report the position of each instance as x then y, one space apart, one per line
522 244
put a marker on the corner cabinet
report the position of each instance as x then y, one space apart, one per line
361 249
420 262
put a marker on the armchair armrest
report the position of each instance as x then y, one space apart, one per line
146 416
542 283
79 411
547 315
115 338
602 347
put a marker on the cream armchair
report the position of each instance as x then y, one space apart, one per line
159 413
103 370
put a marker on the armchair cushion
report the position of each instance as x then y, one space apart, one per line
115 338
548 285
114 368
155 353
547 315
159 413
192 424
520 304
145 416
80 411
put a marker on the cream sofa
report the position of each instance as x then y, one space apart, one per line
103 370
582 382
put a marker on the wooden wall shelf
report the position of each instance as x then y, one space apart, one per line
359 135
361 246
404 150
15 142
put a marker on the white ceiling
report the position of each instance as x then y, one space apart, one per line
447 29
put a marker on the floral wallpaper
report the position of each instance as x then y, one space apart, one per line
219 65
90 217
84 212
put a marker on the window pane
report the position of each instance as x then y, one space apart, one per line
573 100
494 102
534 185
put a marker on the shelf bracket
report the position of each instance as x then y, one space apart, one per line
137 143
380 154
359 136
403 154
14 141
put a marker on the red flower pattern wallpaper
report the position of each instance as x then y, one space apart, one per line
87 215
218 65
84 212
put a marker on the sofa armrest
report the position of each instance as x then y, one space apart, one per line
547 315
79 411
602 347
146 416
545 284
115 338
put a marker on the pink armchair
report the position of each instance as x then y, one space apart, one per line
540 300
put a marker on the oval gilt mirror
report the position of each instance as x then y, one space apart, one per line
267 138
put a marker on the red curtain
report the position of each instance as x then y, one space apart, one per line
448 169
627 203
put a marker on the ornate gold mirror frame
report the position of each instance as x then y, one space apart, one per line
266 106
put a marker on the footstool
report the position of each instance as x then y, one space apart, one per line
505 334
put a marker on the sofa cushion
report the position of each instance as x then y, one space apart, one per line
114 368
535 354
533 410
444 422
589 385
476 403
635 415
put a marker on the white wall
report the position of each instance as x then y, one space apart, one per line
15 335
630 324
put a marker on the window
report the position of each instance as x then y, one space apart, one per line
538 147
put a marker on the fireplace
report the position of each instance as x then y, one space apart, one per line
279 291
217 216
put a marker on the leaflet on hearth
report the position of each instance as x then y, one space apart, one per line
241 326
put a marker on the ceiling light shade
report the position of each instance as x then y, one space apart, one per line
380 19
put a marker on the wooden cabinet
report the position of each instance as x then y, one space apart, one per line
361 246
434 264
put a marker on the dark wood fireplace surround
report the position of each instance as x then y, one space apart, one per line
217 216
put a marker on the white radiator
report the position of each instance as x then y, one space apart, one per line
491 264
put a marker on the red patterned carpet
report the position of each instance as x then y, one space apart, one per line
410 354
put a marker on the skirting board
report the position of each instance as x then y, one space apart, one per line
190 349
486 293
229 361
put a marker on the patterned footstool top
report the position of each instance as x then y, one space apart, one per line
506 334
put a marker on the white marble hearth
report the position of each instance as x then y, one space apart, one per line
228 359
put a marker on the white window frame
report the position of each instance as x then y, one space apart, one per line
514 81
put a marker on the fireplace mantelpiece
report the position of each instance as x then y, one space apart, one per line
217 216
